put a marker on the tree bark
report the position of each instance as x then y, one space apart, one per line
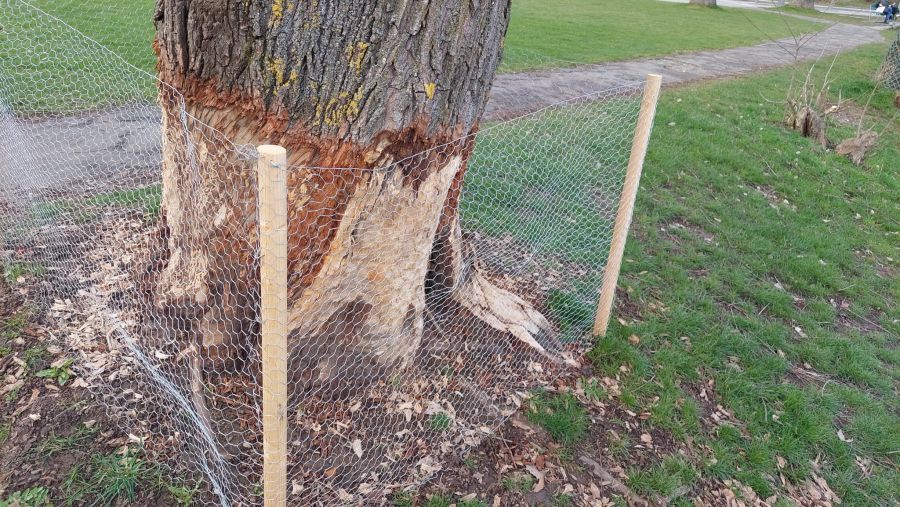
705 3
805 4
366 84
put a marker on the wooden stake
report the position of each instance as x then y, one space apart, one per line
626 202
272 183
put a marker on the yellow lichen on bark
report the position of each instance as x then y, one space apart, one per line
430 88
356 53
276 68
277 12
340 109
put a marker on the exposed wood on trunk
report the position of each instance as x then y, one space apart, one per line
808 122
359 84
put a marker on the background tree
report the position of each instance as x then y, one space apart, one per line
805 4
340 84
706 3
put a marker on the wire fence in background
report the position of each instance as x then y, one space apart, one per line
889 73
394 361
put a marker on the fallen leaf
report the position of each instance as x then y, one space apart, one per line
357 448
842 438
537 475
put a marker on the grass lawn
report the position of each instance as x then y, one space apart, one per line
859 4
768 257
829 16
765 271
125 27
551 34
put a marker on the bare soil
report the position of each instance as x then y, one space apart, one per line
38 413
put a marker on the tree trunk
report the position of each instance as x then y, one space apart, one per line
805 4
705 3
366 84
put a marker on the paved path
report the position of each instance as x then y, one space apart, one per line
518 93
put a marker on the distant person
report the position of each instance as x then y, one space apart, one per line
890 12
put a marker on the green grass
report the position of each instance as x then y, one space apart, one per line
12 327
764 295
5 428
664 478
552 34
145 200
753 252
403 499
441 421
35 357
60 373
51 68
123 27
15 270
826 16
116 479
517 482
438 501
54 443
562 415
31 497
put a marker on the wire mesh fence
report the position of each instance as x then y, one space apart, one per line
889 73
426 296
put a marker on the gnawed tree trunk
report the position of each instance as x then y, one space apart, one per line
705 3
805 4
808 122
341 84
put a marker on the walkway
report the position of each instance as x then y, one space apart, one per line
514 94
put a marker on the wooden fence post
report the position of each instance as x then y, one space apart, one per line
626 202
272 184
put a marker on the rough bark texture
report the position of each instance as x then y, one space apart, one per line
805 4
705 3
340 84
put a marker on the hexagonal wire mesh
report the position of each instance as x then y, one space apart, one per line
889 72
394 363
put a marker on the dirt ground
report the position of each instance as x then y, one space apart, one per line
51 435
522 465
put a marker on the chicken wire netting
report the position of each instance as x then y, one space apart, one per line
422 309
889 72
